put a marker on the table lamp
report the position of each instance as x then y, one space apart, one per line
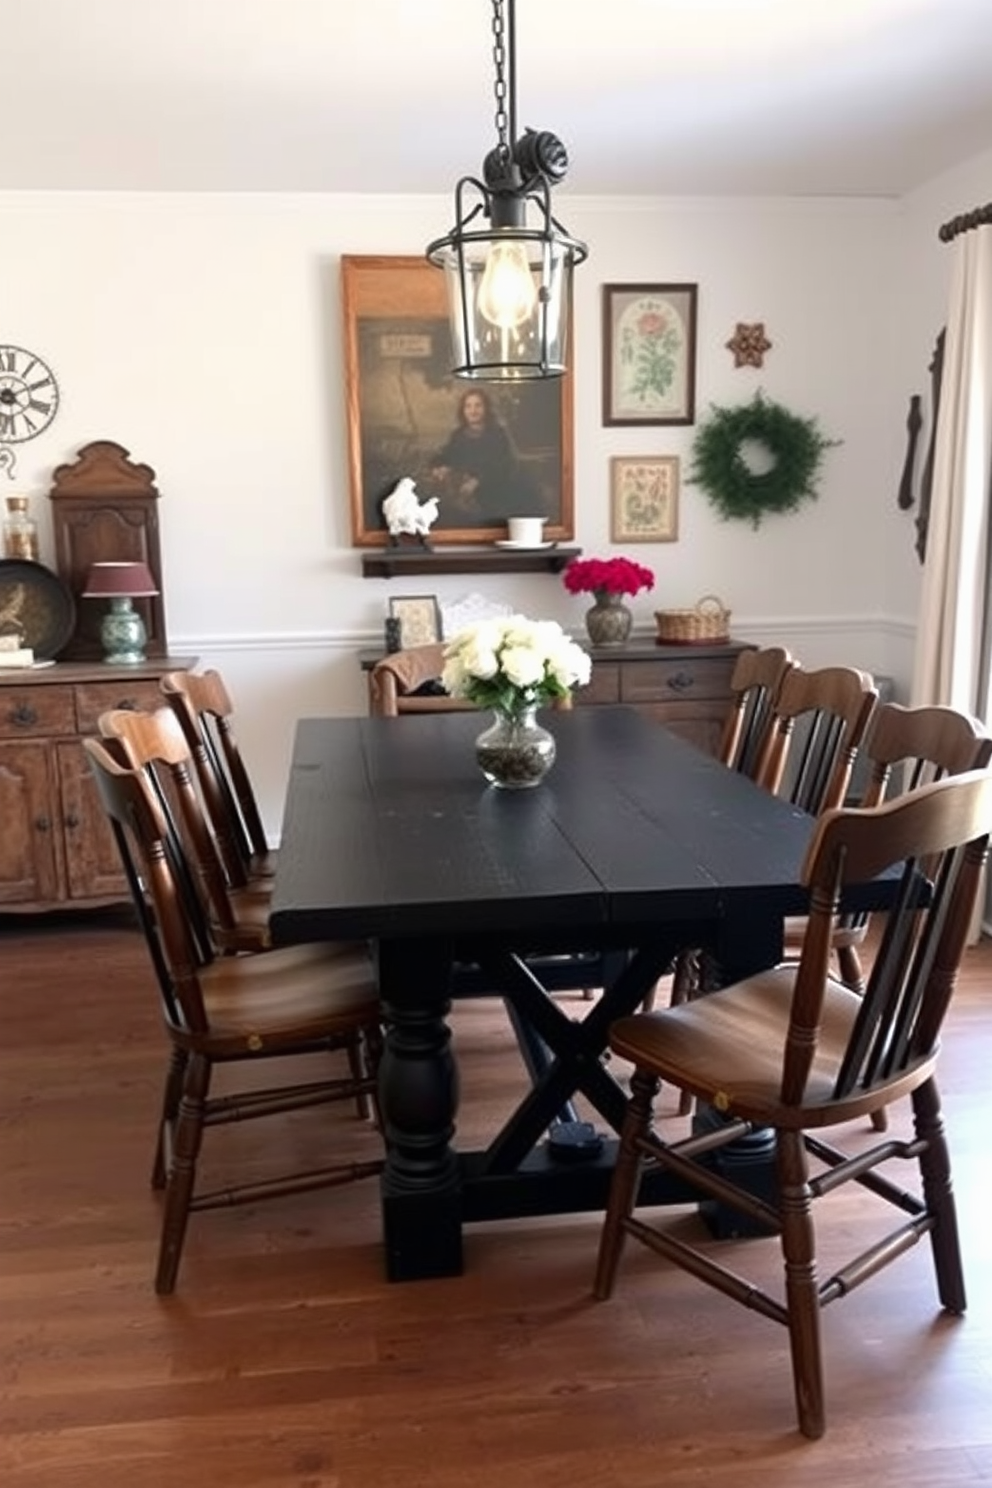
123 631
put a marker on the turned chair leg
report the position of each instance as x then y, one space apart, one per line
626 1181
798 1241
938 1195
182 1172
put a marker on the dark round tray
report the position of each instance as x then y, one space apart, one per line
36 606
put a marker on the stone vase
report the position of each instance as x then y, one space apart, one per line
608 621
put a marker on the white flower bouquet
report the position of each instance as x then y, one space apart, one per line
511 664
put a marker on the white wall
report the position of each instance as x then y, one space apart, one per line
203 333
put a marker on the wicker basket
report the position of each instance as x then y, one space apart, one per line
706 624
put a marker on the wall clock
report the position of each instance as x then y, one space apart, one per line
29 399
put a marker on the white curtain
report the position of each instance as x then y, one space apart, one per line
951 662
952 657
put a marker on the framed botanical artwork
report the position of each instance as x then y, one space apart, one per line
419 617
644 498
487 451
649 353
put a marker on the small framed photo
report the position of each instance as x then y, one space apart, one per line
649 353
419 616
644 498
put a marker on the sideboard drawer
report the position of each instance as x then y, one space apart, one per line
677 679
94 698
36 712
603 685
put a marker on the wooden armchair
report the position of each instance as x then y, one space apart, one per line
394 683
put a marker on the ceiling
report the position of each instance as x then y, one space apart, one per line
664 97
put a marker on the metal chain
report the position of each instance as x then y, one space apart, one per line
499 88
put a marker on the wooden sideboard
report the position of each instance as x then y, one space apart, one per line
687 688
56 849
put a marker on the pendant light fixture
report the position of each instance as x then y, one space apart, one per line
509 283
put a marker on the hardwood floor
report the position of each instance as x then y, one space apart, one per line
285 1358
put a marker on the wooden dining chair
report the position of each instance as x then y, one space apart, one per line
791 1051
233 1011
203 706
754 685
238 913
919 746
833 707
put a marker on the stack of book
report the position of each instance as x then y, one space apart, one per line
13 654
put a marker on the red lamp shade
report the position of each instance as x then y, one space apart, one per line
119 580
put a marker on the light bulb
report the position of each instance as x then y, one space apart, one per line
507 295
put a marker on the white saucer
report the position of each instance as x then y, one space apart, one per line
508 542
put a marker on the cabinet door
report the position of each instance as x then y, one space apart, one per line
29 824
92 862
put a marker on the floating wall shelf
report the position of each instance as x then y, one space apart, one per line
394 563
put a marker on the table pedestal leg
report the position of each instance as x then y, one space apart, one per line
418 1097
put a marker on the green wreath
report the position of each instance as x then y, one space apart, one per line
795 444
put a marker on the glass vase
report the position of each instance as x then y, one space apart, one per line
608 621
515 752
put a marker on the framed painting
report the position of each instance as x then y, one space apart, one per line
487 451
649 353
644 498
419 617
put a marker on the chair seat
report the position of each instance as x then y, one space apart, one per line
687 1046
285 996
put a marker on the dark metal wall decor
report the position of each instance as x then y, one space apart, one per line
936 370
914 422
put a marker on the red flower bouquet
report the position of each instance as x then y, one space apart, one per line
602 576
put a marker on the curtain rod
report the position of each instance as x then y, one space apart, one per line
977 217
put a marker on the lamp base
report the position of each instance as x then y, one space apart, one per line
122 634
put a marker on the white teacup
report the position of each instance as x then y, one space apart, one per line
527 531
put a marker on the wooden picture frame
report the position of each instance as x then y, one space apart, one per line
649 353
420 619
407 416
644 498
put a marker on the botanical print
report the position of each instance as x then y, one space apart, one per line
645 499
650 351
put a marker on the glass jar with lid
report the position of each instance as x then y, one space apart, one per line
20 530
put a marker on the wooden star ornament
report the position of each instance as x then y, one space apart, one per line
749 344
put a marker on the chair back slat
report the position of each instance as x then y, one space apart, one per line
937 837
149 859
836 704
154 743
754 685
203 707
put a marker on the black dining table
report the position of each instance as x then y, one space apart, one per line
636 843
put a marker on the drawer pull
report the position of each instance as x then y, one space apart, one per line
72 821
22 716
42 824
681 681
128 705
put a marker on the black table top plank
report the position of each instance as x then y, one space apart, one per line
395 834
665 823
